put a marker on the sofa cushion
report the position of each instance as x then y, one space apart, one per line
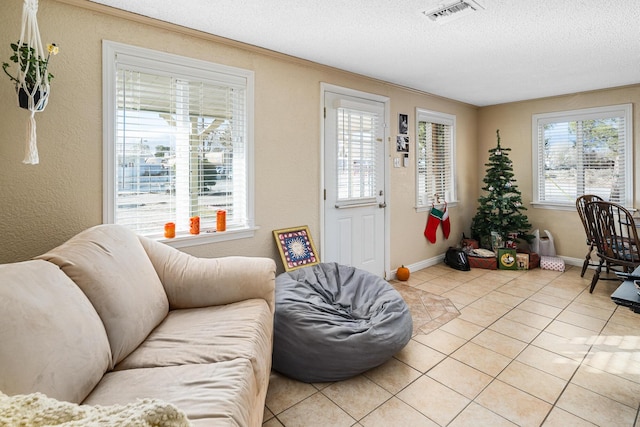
112 268
219 394
192 282
51 338
241 330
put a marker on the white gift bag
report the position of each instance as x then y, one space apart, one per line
543 246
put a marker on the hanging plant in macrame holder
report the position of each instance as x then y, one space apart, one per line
32 78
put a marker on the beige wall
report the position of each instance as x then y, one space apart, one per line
43 205
514 122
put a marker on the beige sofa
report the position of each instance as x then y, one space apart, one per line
109 317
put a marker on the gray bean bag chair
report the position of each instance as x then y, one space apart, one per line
333 322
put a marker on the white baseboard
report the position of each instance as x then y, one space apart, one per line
573 261
419 265
438 259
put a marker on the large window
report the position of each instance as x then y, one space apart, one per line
583 152
435 148
178 143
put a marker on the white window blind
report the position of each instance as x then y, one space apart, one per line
357 155
434 156
180 143
583 152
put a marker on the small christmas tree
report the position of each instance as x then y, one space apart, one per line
500 209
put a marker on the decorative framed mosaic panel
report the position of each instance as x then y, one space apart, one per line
296 247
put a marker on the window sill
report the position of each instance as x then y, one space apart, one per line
184 240
565 207
428 208
554 206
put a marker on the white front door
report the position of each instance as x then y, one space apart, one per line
354 178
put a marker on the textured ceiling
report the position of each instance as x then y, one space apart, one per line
512 50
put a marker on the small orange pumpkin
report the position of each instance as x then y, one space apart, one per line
403 273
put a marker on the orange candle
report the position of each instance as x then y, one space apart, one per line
170 230
194 225
221 220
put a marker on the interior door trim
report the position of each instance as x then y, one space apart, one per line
327 87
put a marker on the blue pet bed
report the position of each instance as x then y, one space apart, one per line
333 322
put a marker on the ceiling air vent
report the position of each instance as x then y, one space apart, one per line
455 10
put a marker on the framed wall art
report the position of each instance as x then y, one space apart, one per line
403 124
402 143
296 247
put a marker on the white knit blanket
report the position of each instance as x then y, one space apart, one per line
36 409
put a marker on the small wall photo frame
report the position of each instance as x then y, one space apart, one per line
403 124
296 247
402 143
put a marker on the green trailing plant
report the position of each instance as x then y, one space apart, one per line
31 64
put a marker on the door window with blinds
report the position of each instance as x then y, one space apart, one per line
435 148
177 142
583 152
357 154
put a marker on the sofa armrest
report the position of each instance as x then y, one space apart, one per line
192 282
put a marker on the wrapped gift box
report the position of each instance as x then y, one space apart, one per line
552 263
522 260
491 263
469 244
533 259
481 262
507 259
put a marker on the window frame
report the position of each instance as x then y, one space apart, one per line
164 63
422 205
541 119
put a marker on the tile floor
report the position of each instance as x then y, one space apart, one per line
528 348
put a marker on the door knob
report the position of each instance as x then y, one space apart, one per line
382 205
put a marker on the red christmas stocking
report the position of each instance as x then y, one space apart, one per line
446 224
433 221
